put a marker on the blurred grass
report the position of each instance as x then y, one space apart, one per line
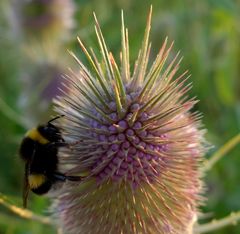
208 35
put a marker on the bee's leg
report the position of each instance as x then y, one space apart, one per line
26 187
59 144
59 177
65 144
74 178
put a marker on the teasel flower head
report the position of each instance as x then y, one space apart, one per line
44 18
140 147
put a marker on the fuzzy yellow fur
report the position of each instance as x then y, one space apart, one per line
36 136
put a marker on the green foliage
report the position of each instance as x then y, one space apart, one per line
206 32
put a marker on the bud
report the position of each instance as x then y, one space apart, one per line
140 149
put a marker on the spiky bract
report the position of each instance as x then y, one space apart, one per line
140 146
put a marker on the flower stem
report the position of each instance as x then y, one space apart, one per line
231 219
208 164
26 214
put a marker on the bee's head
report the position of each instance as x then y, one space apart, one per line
50 132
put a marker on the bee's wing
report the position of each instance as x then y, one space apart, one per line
26 187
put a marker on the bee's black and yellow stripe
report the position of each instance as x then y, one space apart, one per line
39 151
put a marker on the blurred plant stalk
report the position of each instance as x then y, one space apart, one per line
42 28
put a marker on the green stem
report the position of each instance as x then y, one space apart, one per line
208 164
11 114
214 225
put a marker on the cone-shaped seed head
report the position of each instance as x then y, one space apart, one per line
140 147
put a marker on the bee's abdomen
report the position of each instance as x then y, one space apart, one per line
41 185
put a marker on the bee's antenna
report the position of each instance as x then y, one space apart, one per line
57 117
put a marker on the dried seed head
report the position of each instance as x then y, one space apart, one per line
140 145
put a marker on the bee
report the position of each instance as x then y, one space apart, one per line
39 151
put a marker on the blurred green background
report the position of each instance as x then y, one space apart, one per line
34 38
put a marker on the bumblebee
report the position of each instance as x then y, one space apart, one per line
39 151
